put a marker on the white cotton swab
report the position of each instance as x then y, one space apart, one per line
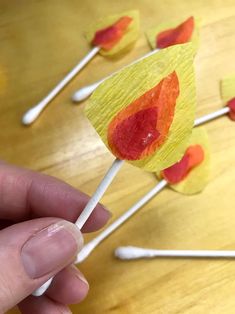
103 187
132 252
104 184
86 91
94 200
32 114
89 247
211 116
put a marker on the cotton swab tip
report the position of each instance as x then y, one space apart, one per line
31 115
85 252
38 292
129 252
81 94
84 92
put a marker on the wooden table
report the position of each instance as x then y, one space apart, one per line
40 42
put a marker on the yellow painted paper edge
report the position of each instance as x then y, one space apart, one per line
227 88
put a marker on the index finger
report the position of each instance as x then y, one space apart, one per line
26 194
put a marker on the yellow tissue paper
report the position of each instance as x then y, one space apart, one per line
227 88
128 39
117 92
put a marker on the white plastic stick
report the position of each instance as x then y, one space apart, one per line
89 247
38 292
132 252
86 91
211 116
31 115
104 184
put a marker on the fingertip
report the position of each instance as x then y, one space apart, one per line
69 286
42 305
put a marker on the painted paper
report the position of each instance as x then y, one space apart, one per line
114 95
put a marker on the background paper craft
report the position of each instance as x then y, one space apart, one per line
174 31
86 91
128 39
110 108
194 182
121 30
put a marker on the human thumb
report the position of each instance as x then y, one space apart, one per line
31 252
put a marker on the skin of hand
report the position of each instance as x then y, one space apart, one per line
38 240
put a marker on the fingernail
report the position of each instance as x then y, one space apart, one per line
107 211
78 274
51 248
82 278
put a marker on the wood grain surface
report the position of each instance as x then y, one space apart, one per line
40 41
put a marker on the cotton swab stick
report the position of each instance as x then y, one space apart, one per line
94 200
86 91
132 252
32 114
212 116
89 247
104 184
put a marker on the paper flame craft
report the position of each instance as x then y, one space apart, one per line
145 113
174 33
115 34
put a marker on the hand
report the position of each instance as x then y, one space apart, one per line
38 240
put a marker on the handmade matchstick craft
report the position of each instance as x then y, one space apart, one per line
146 121
110 36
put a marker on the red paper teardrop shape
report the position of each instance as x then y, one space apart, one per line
108 37
140 128
231 105
179 35
193 156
